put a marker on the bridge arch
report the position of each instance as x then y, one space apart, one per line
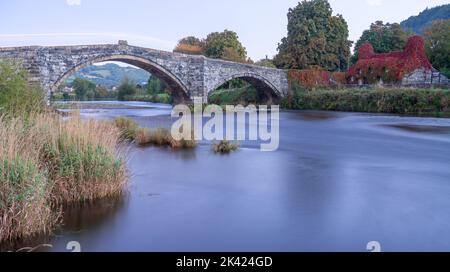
179 91
270 93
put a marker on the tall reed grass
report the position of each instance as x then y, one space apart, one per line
24 185
47 161
128 127
82 158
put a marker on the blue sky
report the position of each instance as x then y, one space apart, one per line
260 24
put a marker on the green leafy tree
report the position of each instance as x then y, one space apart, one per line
101 92
155 86
437 38
18 97
315 38
225 45
82 87
232 54
383 37
126 88
90 95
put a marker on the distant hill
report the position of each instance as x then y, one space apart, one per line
418 23
110 74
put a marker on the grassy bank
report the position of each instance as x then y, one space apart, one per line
47 161
400 101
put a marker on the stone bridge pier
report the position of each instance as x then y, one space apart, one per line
187 76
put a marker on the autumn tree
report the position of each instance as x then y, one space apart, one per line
437 39
218 45
225 45
383 37
190 45
315 38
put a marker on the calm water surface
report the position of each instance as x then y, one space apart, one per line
338 181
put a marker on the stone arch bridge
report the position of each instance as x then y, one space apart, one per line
187 76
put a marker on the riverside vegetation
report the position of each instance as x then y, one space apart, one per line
375 100
413 101
131 131
47 161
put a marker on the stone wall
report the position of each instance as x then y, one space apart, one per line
425 77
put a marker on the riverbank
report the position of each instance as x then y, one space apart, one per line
47 162
112 104
163 98
158 98
432 102
418 102
414 102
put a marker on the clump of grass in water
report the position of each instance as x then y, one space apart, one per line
159 137
128 127
224 147
82 160
184 143
162 137
143 136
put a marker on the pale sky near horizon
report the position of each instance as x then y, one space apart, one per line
260 24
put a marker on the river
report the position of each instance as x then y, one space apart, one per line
337 182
